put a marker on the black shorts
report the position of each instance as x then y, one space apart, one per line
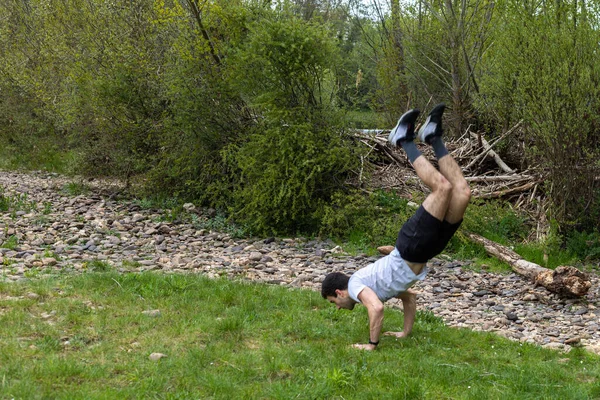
423 236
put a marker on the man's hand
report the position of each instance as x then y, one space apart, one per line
369 347
397 335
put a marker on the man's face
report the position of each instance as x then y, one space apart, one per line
343 300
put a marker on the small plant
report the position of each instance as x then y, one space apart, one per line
128 264
47 208
220 223
11 243
33 272
97 266
339 378
18 202
148 203
51 254
75 189
112 232
4 202
41 220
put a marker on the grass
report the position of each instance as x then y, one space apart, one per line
16 202
10 243
86 337
76 189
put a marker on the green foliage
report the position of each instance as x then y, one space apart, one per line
546 73
98 266
11 243
497 221
288 65
584 245
76 189
291 167
221 223
289 174
4 202
366 221
242 105
16 202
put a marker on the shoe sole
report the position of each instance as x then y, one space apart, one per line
391 138
426 132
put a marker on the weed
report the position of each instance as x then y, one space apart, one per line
41 220
51 254
339 378
32 272
112 232
76 189
47 208
148 203
128 264
16 202
4 202
220 223
97 266
11 243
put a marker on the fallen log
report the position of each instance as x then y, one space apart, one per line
564 280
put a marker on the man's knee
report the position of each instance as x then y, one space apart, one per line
443 186
463 191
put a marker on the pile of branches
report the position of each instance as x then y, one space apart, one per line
488 175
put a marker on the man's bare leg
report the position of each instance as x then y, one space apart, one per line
403 135
431 132
438 201
461 192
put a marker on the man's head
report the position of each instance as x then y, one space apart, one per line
335 290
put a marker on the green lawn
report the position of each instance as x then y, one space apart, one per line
86 337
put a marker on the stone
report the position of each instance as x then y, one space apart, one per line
156 356
152 313
255 256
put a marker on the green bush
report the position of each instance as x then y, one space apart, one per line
584 245
288 175
497 221
366 221
298 156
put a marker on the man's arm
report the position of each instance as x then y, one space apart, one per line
409 302
375 310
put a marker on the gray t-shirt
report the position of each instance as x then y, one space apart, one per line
387 277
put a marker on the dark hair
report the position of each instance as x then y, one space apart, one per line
332 282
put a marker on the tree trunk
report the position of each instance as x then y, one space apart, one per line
455 29
564 280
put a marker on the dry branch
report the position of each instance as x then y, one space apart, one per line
506 192
390 169
498 178
490 152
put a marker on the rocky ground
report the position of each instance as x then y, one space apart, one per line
48 230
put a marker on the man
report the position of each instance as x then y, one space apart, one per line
421 238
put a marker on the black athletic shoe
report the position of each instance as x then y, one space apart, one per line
433 125
405 128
